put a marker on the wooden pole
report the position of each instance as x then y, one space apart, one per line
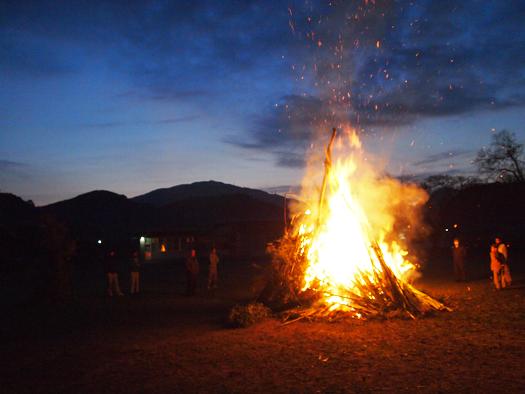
327 167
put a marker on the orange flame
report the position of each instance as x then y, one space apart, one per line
359 211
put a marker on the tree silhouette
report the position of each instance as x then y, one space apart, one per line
503 159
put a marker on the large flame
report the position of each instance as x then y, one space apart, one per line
339 230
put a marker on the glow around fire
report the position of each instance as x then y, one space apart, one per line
337 241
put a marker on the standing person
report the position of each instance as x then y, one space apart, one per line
192 271
495 266
112 274
135 273
212 272
503 257
458 258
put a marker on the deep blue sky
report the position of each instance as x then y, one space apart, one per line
132 96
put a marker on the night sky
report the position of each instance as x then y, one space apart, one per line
132 96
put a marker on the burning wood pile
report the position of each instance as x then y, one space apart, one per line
340 256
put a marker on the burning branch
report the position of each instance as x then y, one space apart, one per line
327 166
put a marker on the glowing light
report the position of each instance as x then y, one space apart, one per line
338 237
99 241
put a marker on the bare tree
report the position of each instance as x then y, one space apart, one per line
503 159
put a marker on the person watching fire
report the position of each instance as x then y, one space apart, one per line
192 271
458 258
135 273
502 256
212 272
111 264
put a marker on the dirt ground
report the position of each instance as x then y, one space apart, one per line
162 341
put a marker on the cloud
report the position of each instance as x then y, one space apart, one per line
283 189
8 164
116 124
394 63
289 122
102 125
287 128
24 55
180 119
379 63
448 155
402 61
171 51
13 170
287 159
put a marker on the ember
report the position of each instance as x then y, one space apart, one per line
341 257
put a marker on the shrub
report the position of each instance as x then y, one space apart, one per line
247 315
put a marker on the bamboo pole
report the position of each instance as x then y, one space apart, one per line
327 168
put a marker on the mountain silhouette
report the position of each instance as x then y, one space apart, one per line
478 211
206 211
102 213
205 189
196 207
16 212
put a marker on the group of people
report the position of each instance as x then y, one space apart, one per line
192 271
111 263
499 262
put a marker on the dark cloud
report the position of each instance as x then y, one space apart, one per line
293 160
287 128
180 119
283 189
173 50
421 176
393 63
10 170
174 94
117 124
432 59
438 157
24 56
103 125
9 164
380 63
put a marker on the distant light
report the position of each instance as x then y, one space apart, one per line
99 241
455 225
142 239
446 229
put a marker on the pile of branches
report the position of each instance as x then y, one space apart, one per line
379 294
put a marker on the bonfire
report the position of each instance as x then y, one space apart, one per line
341 255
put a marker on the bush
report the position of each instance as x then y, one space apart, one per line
247 315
